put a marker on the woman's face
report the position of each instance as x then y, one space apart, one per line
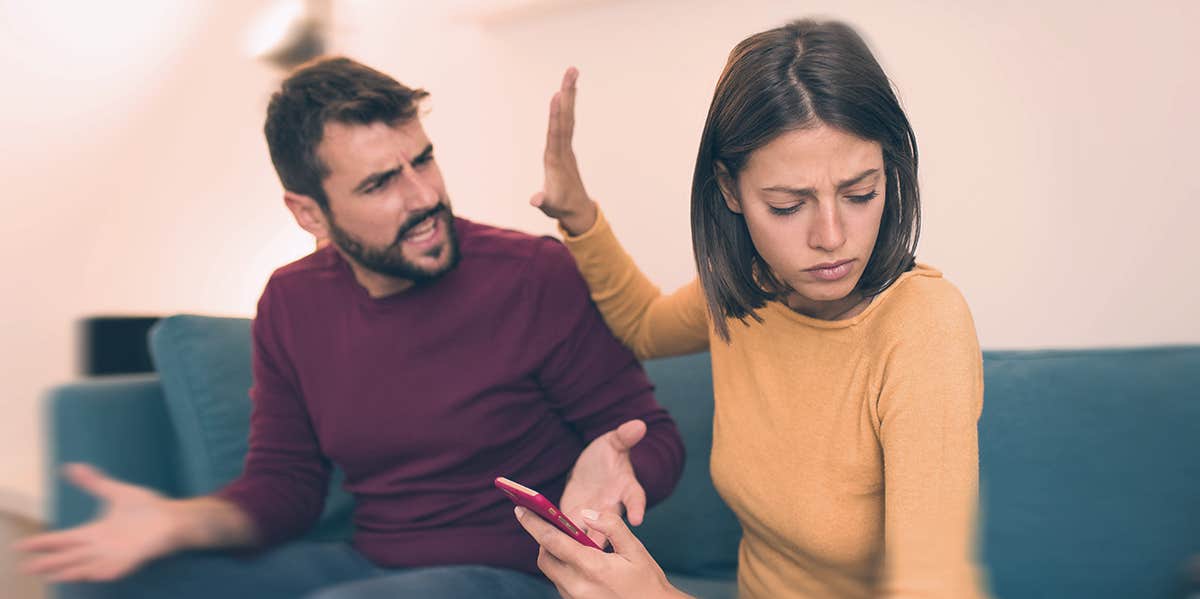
813 199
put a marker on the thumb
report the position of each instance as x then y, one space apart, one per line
90 479
629 434
610 525
634 499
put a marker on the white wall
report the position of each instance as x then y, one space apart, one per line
1056 146
135 181
1055 142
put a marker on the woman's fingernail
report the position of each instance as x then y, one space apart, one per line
519 511
590 515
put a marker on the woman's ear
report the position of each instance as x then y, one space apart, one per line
727 186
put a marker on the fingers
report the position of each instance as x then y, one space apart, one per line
553 129
554 568
550 538
596 536
623 541
52 564
68 556
634 500
91 480
537 199
561 128
88 572
568 103
51 541
629 434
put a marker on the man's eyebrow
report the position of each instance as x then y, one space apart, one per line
424 155
812 193
375 178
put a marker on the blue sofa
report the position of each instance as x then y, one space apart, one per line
1090 462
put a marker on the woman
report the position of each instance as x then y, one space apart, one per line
847 377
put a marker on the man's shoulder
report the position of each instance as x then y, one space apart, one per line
321 264
500 245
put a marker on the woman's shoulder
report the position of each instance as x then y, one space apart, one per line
923 301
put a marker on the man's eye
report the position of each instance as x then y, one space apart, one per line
380 184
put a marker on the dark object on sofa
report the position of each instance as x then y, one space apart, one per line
115 345
1089 463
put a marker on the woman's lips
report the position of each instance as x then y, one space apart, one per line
831 271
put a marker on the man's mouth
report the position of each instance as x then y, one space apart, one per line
424 230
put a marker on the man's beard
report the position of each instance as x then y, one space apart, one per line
390 260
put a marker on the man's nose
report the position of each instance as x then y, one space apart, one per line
420 195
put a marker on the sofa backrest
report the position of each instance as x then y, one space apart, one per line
1090 473
1089 460
692 532
203 363
1090 464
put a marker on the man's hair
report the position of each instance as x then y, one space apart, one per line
798 76
328 90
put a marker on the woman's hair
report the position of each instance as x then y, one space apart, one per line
802 75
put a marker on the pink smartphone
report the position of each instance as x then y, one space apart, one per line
538 504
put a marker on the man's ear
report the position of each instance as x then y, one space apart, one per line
308 214
727 186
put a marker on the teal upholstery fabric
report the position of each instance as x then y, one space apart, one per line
1090 465
1090 459
204 365
118 424
693 532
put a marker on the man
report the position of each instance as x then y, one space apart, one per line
423 354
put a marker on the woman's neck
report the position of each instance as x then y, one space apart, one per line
840 309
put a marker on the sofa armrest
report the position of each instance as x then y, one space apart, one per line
118 424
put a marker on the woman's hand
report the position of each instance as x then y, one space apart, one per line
563 196
580 572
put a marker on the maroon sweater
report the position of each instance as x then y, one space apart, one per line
502 367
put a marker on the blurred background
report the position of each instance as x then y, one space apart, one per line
1058 147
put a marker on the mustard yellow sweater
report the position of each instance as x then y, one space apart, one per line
847 449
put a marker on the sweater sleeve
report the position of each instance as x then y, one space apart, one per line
928 412
285 478
653 325
594 382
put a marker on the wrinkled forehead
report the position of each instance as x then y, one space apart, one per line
816 156
355 149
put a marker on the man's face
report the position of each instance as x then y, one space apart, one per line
388 208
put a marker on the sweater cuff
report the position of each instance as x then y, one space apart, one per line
598 229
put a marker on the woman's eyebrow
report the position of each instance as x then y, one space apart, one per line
812 192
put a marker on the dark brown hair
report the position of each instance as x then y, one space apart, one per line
801 75
328 89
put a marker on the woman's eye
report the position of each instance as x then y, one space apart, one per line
785 211
863 199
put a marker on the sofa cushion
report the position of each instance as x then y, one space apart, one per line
204 365
693 532
1090 476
